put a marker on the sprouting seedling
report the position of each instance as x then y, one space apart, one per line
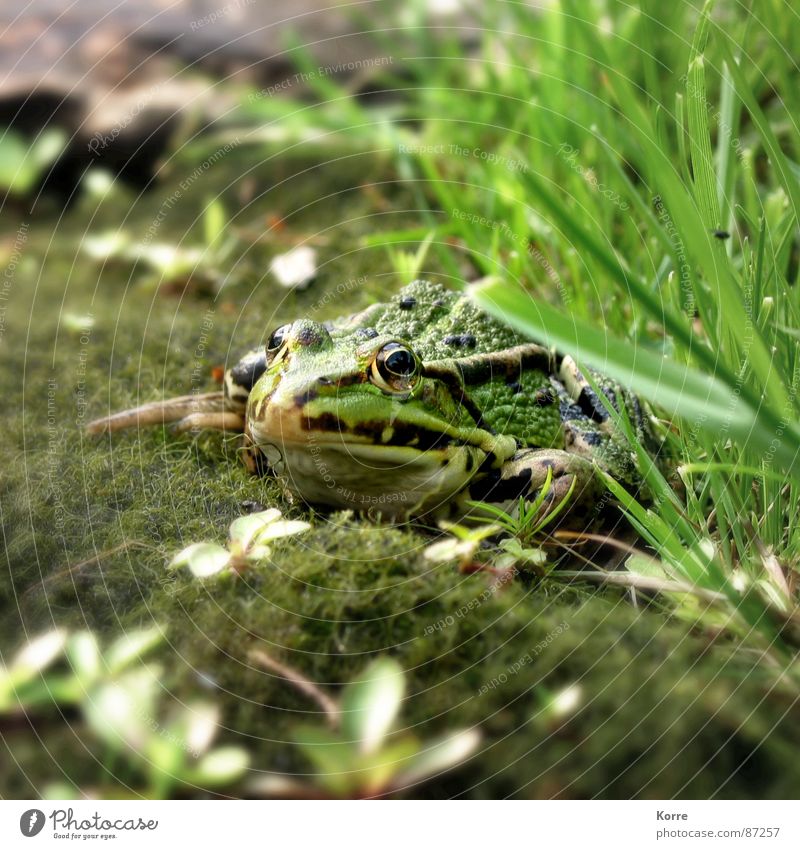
523 525
119 694
530 517
462 545
248 539
169 263
361 753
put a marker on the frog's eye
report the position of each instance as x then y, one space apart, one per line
276 341
395 368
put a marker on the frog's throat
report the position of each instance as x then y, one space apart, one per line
396 471
393 480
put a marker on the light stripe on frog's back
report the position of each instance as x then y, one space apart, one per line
483 368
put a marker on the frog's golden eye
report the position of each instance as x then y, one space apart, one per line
277 341
395 368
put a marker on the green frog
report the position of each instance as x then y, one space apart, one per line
415 407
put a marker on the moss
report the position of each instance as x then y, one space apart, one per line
90 523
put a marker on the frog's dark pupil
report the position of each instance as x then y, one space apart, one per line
401 363
277 338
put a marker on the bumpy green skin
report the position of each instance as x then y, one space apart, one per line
489 415
439 315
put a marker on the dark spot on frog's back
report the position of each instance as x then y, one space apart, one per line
453 341
366 333
307 336
591 405
407 302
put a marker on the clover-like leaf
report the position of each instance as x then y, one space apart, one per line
121 712
245 529
258 552
371 702
377 770
450 549
131 646
201 724
335 759
203 559
39 653
285 528
111 245
84 656
20 683
438 757
516 553
220 766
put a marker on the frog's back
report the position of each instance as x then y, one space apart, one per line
437 322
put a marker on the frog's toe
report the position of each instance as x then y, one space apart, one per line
228 421
524 475
180 409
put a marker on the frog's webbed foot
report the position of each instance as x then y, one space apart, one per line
188 412
524 475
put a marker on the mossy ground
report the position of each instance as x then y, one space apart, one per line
89 525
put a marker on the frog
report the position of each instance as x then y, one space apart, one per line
419 406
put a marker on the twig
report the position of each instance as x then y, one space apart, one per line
300 682
642 582
101 555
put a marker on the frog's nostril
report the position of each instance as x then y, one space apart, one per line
324 381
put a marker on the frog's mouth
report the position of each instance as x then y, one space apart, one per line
385 470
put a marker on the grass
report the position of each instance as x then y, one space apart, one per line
590 157
626 176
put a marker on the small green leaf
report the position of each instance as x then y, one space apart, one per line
440 756
121 712
201 722
214 220
57 791
220 766
132 646
333 758
203 559
39 654
371 702
84 656
281 787
244 529
276 530
111 245
377 769
258 553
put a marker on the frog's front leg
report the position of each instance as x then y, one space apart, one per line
526 472
221 410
